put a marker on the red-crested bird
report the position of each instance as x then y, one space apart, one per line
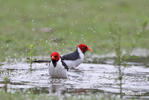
57 68
75 58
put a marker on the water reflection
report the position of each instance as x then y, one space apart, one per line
57 86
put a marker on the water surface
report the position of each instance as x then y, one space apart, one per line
86 79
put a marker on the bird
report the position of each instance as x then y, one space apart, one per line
74 59
57 68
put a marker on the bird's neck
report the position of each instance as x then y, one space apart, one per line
81 54
80 51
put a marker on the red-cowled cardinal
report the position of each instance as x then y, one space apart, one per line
74 59
57 68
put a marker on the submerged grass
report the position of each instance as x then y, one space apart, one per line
29 96
61 25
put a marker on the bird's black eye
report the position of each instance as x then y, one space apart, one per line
56 56
85 48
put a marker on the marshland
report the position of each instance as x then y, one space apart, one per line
116 68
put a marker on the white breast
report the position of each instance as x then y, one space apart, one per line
74 63
57 72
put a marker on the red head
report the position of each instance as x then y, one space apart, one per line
55 56
84 48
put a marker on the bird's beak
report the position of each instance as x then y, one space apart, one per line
53 58
89 49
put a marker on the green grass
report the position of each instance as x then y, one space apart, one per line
73 22
30 96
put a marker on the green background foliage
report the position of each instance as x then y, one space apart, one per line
71 22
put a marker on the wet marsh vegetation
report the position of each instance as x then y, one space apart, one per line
118 30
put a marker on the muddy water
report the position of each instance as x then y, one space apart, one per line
86 79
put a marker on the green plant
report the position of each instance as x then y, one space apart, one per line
144 24
116 36
30 53
6 81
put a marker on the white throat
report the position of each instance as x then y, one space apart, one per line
81 54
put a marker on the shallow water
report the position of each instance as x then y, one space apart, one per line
86 79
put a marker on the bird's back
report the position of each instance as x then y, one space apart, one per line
73 59
72 56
